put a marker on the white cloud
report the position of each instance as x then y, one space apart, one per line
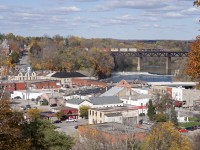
69 9
173 14
152 19
126 17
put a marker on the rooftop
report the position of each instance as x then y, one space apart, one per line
116 128
75 101
173 83
113 91
114 109
67 75
105 100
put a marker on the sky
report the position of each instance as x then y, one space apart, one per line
117 19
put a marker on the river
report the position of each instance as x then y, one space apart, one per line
143 76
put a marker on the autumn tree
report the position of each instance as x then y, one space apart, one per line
11 125
193 63
164 136
93 139
101 62
165 109
14 57
197 3
83 110
33 113
35 49
60 114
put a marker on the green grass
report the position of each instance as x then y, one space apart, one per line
193 119
189 124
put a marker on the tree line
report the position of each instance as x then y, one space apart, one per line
72 53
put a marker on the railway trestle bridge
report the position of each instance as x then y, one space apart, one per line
140 54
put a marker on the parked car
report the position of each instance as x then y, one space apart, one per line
182 130
57 121
71 120
53 105
28 106
23 107
17 97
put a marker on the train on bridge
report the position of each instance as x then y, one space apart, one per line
134 50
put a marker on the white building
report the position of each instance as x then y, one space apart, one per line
28 94
75 96
186 95
76 103
138 100
140 91
96 102
123 115
177 93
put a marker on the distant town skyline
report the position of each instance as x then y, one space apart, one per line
117 19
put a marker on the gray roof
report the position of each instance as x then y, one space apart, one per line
113 91
105 100
75 101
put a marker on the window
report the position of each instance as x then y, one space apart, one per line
100 114
96 113
92 113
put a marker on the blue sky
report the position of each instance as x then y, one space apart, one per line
118 19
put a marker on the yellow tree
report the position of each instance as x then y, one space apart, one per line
193 63
34 113
165 137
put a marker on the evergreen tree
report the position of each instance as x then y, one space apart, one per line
174 116
151 110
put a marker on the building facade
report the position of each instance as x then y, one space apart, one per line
122 115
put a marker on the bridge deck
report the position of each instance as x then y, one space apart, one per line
151 54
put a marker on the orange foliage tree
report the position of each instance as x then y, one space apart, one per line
197 2
193 63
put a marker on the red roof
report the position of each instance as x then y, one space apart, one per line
140 107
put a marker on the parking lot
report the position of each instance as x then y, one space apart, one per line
65 127
17 103
69 127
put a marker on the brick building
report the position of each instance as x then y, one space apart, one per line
85 82
10 86
45 84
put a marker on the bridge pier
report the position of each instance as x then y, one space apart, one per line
168 65
139 66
